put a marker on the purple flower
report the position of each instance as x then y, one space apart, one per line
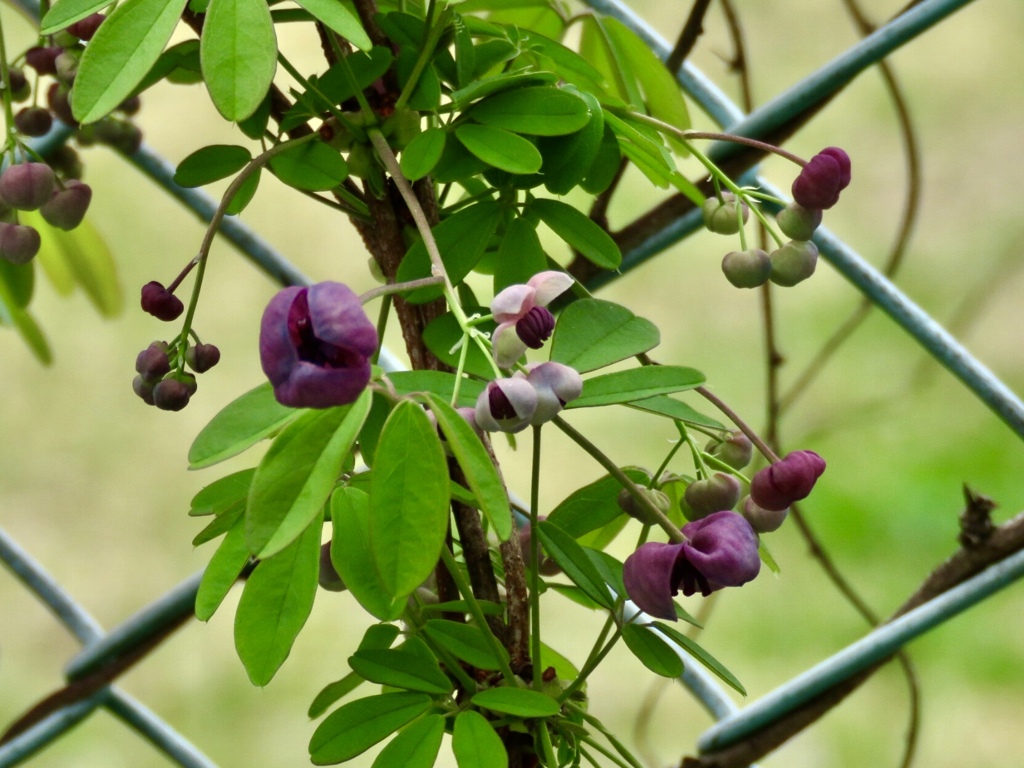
522 315
556 385
315 346
720 551
507 405
161 303
822 179
788 480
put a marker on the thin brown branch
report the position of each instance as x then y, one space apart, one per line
692 29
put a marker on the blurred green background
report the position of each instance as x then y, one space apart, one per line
94 484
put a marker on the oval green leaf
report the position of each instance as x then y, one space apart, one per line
223 571
125 46
592 333
662 405
465 642
400 668
422 153
592 506
476 465
500 148
68 12
652 651
355 727
314 167
705 658
636 384
296 476
536 110
209 164
238 51
240 424
517 701
579 232
573 560
409 498
340 18
275 604
475 743
415 746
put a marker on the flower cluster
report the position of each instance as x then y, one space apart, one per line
31 187
530 399
162 379
524 321
316 344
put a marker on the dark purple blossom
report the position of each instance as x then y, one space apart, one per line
160 302
720 551
822 179
522 315
556 385
315 346
788 480
506 405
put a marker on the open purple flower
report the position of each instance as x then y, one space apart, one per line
522 315
556 385
315 346
822 179
506 405
788 480
720 551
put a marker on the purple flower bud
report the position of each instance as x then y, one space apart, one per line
315 346
822 179
19 243
33 121
713 494
736 450
130 106
797 222
794 262
720 215
506 405
556 385
202 357
67 67
122 135
720 551
27 186
65 162
786 481
161 303
20 89
59 100
763 520
747 269
66 208
171 395
43 60
329 578
152 363
85 28
143 389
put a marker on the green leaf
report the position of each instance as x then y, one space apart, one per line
465 642
313 166
462 606
68 12
275 604
351 555
520 256
240 425
439 383
476 464
564 668
296 476
579 232
244 194
221 524
340 18
705 658
409 498
605 166
120 54
592 333
20 280
662 95
179 64
441 335
567 159
208 164
422 153
461 238
563 549
486 86
377 636
592 506
12 314
536 110
500 148
415 746
475 743
223 571
652 651
517 701
636 384
82 254
400 668
567 61
238 51
662 405
355 727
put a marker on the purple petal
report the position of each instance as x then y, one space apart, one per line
723 548
513 302
278 354
647 575
338 318
549 285
556 385
507 345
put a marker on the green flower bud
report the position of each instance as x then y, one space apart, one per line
797 222
714 494
747 269
736 450
720 215
794 262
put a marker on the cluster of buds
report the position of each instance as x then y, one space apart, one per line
162 379
815 189
58 62
720 547
35 187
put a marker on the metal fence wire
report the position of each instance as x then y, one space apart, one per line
91 673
